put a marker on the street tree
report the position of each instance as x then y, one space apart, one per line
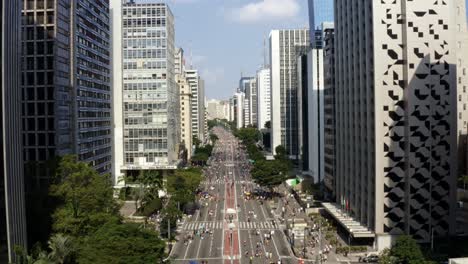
121 243
281 153
213 138
61 248
196 141
86 198
270 173
406 251
249 135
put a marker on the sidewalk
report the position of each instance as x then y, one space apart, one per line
292 209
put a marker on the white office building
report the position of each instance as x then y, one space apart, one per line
238 109
263 98
285 47
146 97
197 86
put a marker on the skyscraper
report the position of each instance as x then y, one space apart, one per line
285 47
396 115
198 103
66 95
238 109
12 203
248 85
320 11
329 110
66 83
264 97
144 119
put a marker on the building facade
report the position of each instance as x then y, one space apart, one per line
311 113
329 110
238 109
12 199
66 87
217 109
320 11
263 98
247 85
285 47
197 86
396 120
143 117
185 113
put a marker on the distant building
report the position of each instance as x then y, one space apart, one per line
146 123
12 199
217 109
185 113
320 11
185 100
285 47
263 98
248 86
198 103
238 109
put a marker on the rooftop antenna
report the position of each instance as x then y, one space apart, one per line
191 56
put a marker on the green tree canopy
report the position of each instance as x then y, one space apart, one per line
270 173
405 251
249 135
86 198
122 243
196 141
281 153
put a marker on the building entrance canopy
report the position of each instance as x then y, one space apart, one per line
352 226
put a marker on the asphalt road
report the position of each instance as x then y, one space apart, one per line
235 228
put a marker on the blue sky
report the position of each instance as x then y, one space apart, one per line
226 36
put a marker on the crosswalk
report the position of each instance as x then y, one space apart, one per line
192 226
257 225
214 225
221 181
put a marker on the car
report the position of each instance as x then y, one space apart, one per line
371 259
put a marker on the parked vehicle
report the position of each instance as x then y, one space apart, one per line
371 259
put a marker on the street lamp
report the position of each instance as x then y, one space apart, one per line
305 241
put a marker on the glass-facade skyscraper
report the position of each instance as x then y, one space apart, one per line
320 11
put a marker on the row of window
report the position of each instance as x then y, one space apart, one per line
145 65
138 12
145 54
144 22
145 43
144 33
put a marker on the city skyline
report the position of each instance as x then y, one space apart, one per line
202 130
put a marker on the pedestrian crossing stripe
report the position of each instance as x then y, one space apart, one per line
217 182
193 226
257 225
199 225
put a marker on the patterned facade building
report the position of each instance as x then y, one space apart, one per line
396 114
